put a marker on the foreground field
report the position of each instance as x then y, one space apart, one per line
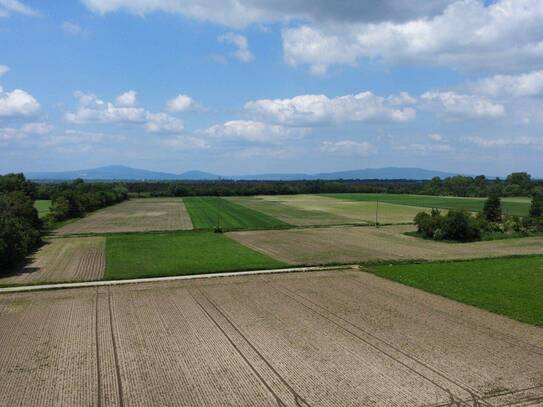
67 259
208 212
158 254
368 244
511 206
304 210
510 286
136 215
308 339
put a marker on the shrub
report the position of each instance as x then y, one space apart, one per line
461 226
492 210
536 209
428 223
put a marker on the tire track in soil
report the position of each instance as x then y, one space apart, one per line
97 350
475 398
116 357
501 335
298 400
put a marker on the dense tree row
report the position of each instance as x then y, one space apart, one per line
75 199
20 227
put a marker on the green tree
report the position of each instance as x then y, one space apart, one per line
459 225
536 209
492 210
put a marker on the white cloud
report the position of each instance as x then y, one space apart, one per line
348 147
127 99
242 53
505 35
501 142
425 148
461 105
239 13
184 143
182 103
15 6
17 103
71 28
4 69
124 111
39 128
435 137
314 109
527 84
253 131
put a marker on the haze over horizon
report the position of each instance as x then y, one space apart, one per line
252 86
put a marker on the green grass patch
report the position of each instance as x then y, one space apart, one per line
43 207
510 206
206 212
179 253
511 286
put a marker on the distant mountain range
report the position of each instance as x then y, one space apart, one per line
119 172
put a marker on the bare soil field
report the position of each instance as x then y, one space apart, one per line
304 210
368 244
135 215
341 338
63 259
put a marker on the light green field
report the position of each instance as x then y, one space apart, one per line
207 212
512 206
304 210
43 206
179 253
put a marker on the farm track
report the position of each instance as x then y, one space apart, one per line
300 339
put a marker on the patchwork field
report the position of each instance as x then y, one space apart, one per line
512 206
135 215
207 212
66 259
368 244
43 206
157 254
302 339
508 286
305 210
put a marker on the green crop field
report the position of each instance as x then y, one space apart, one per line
43 206
511 206
508 286
206 212
178 253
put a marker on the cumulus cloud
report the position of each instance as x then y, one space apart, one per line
124 111
38 128
239 13
4 69
461 105
182 103
467 35
242 53
71 28
315 109
527 84
253 131
15 6
17 103
348 147
435 137
500 142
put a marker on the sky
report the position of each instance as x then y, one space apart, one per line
257 86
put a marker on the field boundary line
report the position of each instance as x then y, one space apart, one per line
84 284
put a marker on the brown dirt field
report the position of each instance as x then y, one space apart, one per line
63 259
335 338
135 215
368 244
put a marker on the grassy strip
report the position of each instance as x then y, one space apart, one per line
511 207
511 286
172 254
43 206
206 212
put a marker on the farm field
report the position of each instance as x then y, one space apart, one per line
135 215
43 206
304 210
66 259
508 286
344 338
165 254
512 206
206 212
349 244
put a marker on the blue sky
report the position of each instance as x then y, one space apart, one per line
253 86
